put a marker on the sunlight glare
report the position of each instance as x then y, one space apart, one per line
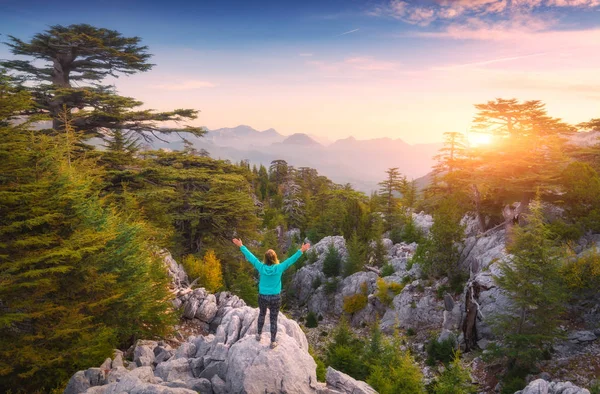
478 139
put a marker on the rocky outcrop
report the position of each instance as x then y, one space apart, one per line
540 386
346 384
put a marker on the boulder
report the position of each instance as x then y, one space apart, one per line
341 381
78 383
582 336
143 354
174 369
253 367
415 307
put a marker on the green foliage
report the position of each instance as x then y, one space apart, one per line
582 273
455 379
440 351
331 286
438 255
394 371
78 277
387 270
311 320
332 262
383 292
581 199
207 271
356 256
379 253
311 256
379 361
356 302
533 282
245 286
86 55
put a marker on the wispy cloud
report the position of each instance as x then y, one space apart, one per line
348 32
488 62
354 66
305 54
185 85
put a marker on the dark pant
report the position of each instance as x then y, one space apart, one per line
273 302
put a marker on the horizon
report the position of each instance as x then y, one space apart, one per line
408 70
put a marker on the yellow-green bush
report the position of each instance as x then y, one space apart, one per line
356 302
384 289
583 272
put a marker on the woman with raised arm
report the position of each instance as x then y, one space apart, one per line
269 284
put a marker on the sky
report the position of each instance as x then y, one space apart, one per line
369 69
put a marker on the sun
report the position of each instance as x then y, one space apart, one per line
479 139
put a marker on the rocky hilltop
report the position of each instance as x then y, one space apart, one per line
226 360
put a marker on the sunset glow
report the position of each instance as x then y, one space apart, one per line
388 68
478 139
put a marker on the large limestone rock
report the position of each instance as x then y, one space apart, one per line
252 367
339 380
415 307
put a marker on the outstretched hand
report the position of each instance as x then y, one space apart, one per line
237 242
305 247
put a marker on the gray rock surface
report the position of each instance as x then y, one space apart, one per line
541 386
340 381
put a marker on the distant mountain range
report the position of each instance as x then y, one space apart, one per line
361 163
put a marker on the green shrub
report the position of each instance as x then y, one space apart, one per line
595 388
406 279
455 379
311 320
387 270
332 262
331 286
440 351
411 332
396 288
356 302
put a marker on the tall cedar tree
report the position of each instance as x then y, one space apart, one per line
86 55
533 283
78 279
526 155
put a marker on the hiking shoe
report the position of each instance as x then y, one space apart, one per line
274 345
257 336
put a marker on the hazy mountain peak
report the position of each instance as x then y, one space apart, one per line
300 139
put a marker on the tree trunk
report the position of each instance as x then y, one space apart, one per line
469 327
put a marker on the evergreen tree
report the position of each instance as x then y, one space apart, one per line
455 379
207 271
78 278
244 285
356 256
533 283
86 55
332 262
387 190
438 255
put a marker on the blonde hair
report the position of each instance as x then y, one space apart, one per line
271 257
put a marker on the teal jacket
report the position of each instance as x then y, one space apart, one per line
270 275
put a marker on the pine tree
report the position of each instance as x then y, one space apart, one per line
332 262
206 272
356 256
438 255
387 190
533 283
244 286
